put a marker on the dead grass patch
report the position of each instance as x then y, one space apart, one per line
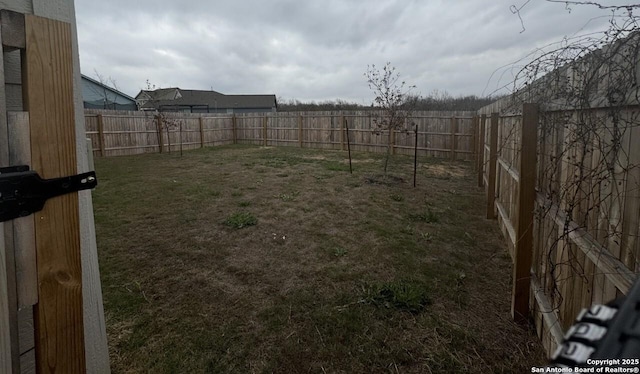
335 275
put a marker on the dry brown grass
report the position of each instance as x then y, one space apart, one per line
300 291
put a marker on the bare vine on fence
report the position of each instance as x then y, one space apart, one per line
587 89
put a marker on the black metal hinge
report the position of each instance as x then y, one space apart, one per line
23 192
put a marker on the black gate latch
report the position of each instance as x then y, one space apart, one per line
23 192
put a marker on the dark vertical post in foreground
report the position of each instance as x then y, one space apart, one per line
526 204
180 138
415 157
346 126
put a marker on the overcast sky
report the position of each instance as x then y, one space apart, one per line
317 50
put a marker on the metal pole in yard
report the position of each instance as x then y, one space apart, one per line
415 158
346 125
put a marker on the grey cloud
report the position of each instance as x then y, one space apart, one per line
313 49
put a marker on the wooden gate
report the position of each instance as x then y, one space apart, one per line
42 304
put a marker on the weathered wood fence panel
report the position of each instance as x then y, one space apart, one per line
586 218
118 133
217 131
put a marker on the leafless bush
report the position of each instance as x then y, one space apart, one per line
394 100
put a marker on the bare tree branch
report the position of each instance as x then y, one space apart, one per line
393 99
596 4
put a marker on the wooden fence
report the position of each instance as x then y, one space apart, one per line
440 134
565 189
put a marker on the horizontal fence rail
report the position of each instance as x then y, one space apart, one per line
440 134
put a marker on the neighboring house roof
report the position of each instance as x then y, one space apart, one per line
159 94
204 99
98 95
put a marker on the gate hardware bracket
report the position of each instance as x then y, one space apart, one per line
23 192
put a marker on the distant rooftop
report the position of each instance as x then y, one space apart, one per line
177 99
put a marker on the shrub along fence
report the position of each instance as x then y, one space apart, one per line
440 134
564 186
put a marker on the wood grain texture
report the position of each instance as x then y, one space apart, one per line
97 357
14 97
23 228
524 219
48 96
28 362
12 70
12 29
26 336
546 311
6 356
9 353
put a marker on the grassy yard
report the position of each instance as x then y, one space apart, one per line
258 260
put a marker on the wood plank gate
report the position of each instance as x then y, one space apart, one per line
42 305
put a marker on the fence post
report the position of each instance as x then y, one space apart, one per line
493 159
300 129
264 130
101 135
525 206
234 129
481 148
454 122
341 131
201 132
474 140
160 140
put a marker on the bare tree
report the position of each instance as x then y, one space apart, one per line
395 101
109 98
162 120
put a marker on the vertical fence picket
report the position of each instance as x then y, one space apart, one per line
264 130
453 129
101 135
481 149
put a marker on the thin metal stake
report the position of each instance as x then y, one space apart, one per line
346 125
415 158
